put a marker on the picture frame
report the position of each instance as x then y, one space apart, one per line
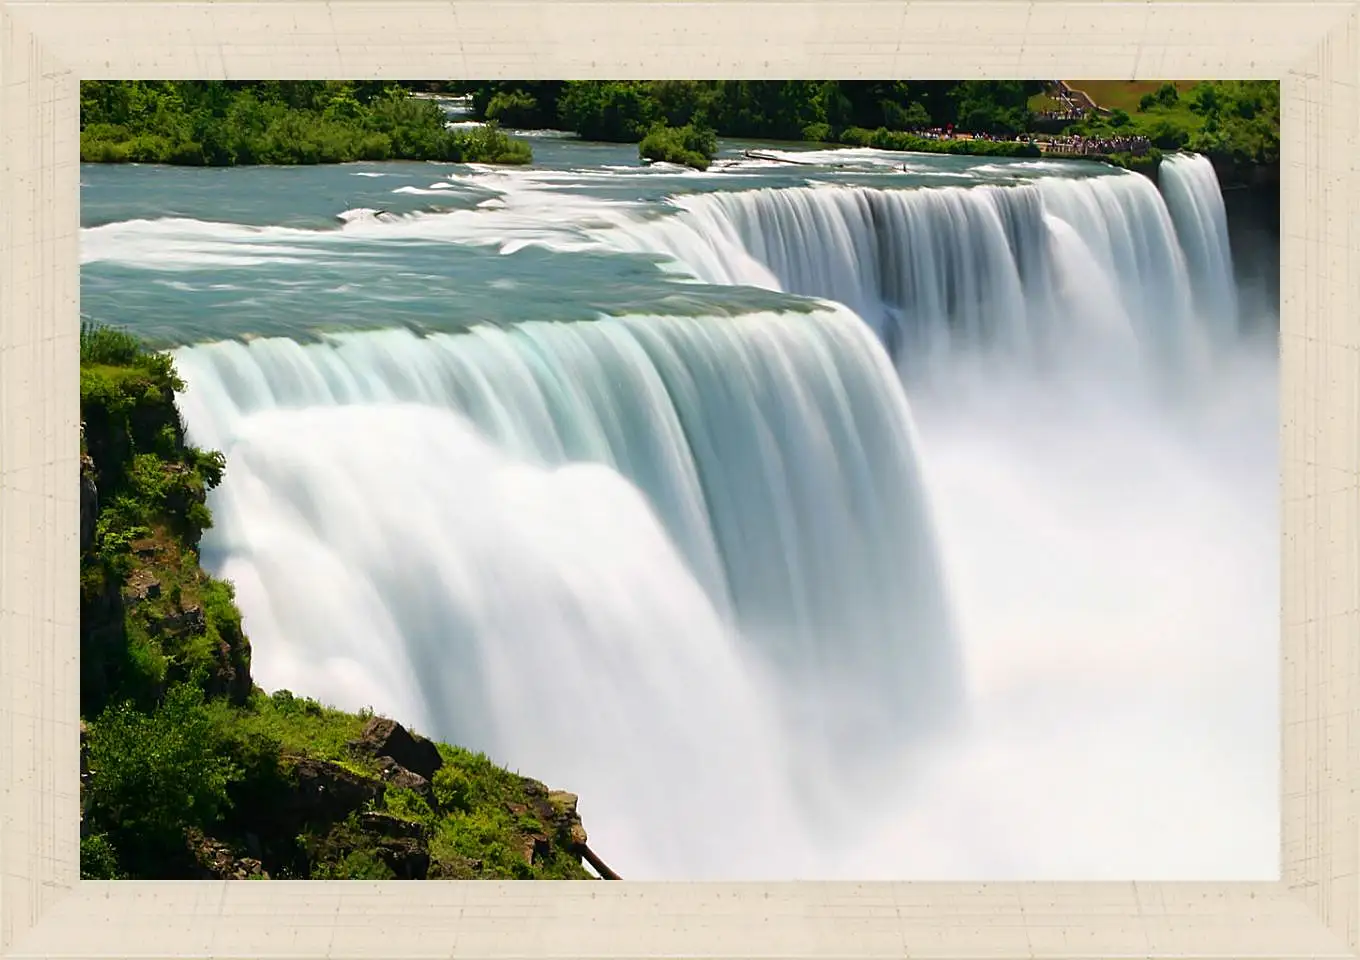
47 47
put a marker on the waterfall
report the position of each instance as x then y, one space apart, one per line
534 539
694 568
1196 204
1082 274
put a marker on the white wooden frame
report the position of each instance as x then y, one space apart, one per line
47 47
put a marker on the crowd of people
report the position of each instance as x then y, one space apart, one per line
1087 146
1069 107
1069 113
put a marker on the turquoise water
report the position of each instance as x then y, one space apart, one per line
182 255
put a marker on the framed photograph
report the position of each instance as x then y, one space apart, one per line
744 496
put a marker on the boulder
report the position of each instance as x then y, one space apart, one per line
394 828
536 847
402 844
394 774
141 586
407 857
387 738
567 818
326 791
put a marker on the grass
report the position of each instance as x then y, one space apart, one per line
301 727
1124 94
1042 103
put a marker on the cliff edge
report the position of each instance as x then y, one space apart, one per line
189 769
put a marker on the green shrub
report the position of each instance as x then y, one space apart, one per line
452 788
884 139
408 805
513 108
100 343
818 133
615 112
154 774
98 858
359 865
688 145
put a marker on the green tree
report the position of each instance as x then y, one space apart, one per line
688 145
616 112
992 106
1167 95
152 775
514 108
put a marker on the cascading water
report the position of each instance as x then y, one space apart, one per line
1055 272
775 451
1191 189
707 569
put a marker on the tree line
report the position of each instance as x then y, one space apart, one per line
224 123
245 122
677 119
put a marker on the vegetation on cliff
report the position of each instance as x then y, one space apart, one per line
189 770
223 123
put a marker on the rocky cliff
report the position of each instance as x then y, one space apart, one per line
189 769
